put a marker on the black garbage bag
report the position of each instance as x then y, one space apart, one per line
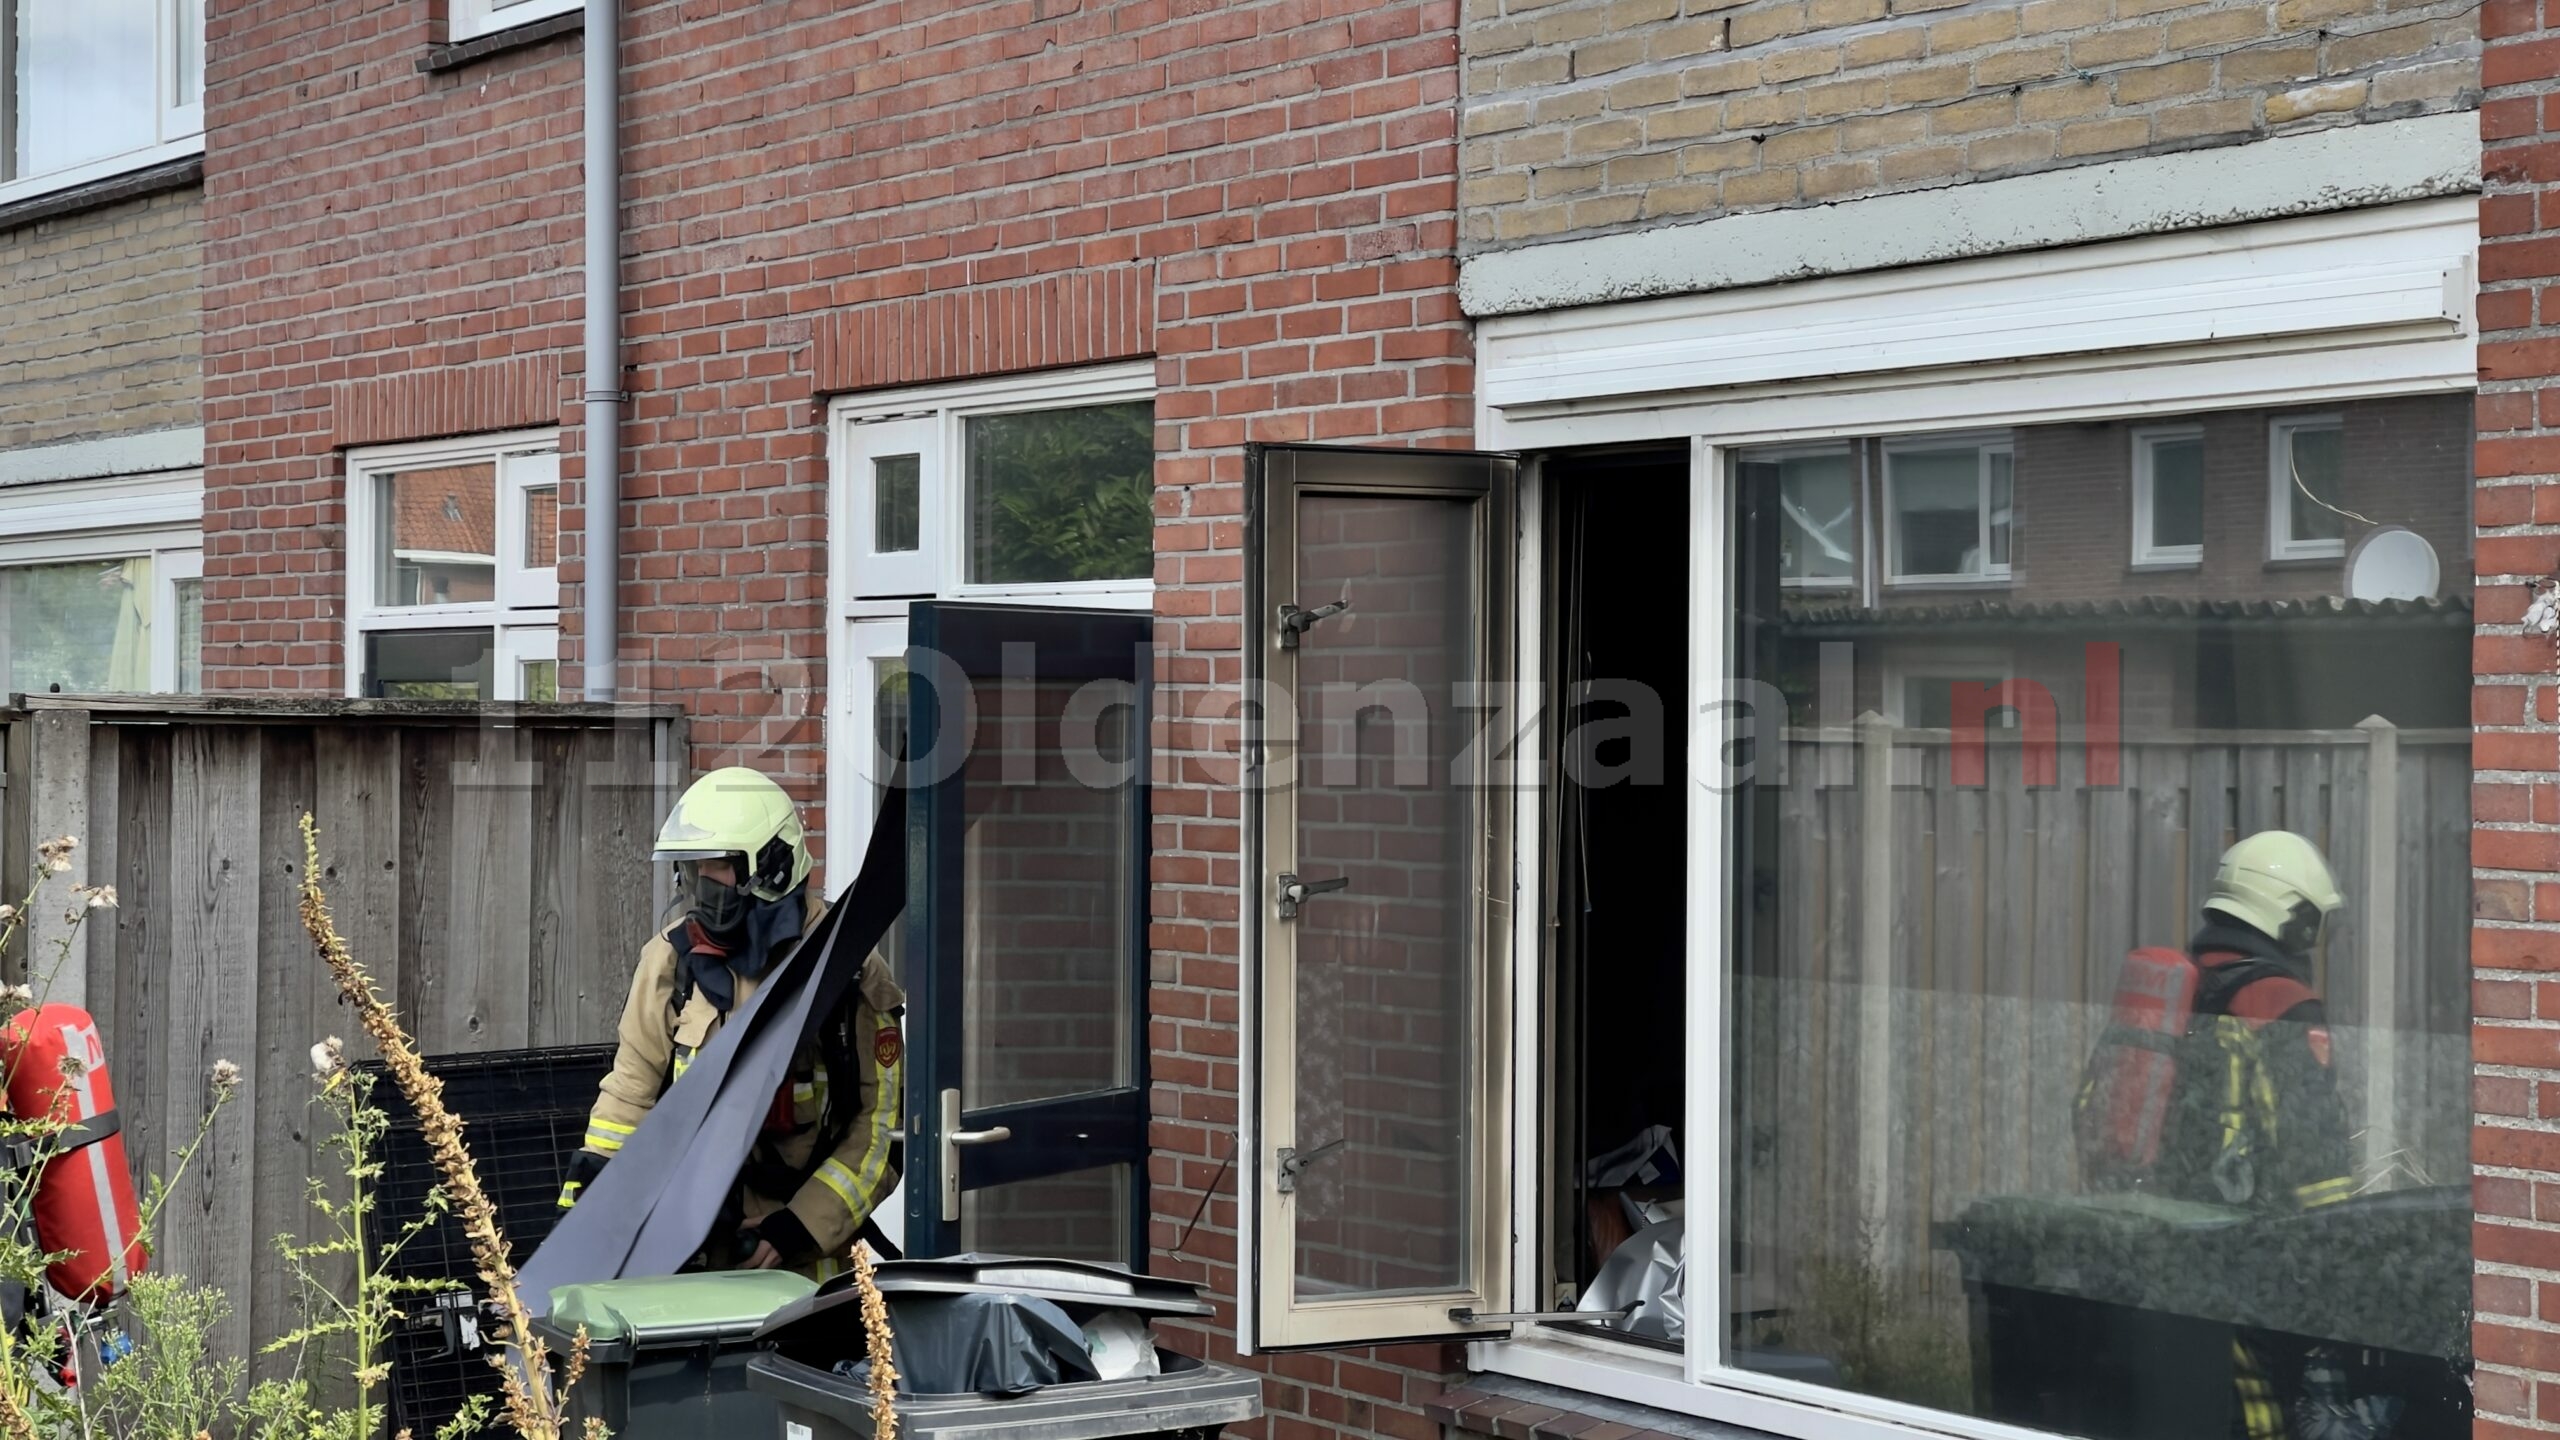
994 1344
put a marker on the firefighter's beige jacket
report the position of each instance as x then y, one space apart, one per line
658 1041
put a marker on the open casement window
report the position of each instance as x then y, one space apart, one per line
1383 887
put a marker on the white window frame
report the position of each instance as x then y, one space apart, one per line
1988 443
160 516
2281 497
179 121
168 569
876 574
471 19
524 619
864 586
1564 379
2146 552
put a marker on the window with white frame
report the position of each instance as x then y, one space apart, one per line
469 19
1947 509
2306 487
102 608
1859 1183
96 87
452 578
2168 495
1036 488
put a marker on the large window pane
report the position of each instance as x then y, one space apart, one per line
85 82
1982 1155
1383 997
1062 495
436 536
83 626
1045 933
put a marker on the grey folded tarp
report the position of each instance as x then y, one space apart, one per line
654 1205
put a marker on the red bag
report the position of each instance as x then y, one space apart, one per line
84 1201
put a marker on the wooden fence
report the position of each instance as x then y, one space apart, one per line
1935 959
489 865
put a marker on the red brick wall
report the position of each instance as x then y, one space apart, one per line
2515 943
1258 193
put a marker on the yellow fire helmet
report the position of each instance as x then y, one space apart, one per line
739 814
2275 883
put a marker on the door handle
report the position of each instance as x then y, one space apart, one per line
953 1137
1293 891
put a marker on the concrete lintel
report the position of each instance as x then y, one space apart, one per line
143 454
2339 169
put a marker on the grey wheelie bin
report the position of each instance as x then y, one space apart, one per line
667 1356
956 1384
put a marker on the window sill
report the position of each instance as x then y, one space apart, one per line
1512 1409
456 54
2306 562
178 174
1951 582
2154 567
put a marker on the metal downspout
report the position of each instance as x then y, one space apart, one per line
602 597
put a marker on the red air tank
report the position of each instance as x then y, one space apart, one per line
84 1201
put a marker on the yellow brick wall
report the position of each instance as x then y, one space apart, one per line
1585 116
100 329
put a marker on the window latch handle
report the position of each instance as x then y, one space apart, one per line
1293 891
1295 621
1293 1163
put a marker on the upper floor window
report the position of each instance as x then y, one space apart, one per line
451 570
2307 466
1947 504
97 87
1818 498
2168 495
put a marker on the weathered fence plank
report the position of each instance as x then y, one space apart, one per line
212 1012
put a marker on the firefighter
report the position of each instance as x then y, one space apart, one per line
2258 1122
824 1158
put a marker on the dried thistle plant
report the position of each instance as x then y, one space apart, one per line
13 1417
875 1336
533 1407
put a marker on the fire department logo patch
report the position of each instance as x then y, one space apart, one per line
887 1048
2318 1036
